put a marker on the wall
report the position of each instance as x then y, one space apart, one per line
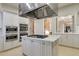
23 20
70 9
9 8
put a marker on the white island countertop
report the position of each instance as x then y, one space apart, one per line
51 38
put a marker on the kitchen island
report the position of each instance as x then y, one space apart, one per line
40 46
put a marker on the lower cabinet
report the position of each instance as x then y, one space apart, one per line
63 39
1 43
10 44
71 40
37 47
74 40
26 46
31 47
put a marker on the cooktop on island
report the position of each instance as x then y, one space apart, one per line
38 36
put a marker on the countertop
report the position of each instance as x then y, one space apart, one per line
66 33
51 38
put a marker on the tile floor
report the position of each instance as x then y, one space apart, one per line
62 51
12 52
66 51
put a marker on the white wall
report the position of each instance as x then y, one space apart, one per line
9 8
23 20
70 9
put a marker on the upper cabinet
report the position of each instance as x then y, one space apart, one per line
10 19
45 26
39 27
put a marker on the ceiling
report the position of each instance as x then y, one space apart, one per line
15 5
63 4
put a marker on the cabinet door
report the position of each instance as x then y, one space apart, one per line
26 45
8 45
63 40
70 40
75 41
1 43
36 48
53 25
67 40
60 39
39 27
10 19
46 48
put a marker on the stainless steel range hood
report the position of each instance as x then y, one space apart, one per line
37 10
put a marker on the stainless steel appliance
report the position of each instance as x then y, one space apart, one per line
38 10
11 29
23 27
23 30
11 33
11 38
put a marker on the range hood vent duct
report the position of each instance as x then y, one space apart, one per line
36 10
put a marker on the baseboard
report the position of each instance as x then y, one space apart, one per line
68 46
10 49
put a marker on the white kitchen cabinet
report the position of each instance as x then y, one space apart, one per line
36 48
26 45
31 47
8 45
60 39
39 27
1 43
53 24
49 48
77 41
11 44
74 40
71 40
63 40
46 48
10 19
